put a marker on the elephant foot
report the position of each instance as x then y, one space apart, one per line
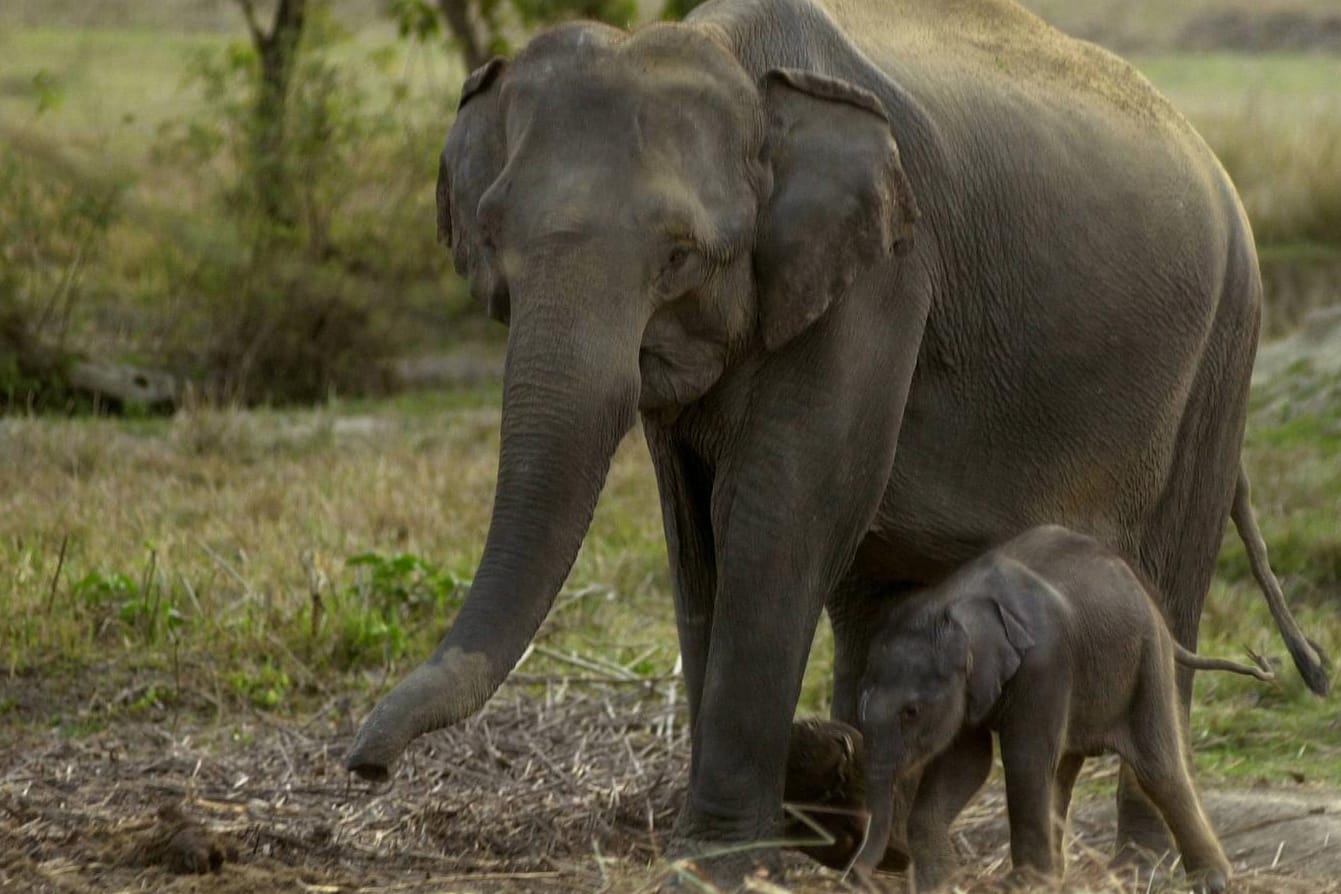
1209 881
934 861
1209 875
715 866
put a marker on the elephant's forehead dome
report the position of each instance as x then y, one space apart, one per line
661 59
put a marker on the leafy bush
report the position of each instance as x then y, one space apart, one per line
391 599
263 685
116 601
294 304
53 226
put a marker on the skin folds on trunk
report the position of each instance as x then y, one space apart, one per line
567 402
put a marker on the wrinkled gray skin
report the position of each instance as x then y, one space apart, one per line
1053 643
795 237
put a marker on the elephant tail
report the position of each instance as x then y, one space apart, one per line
1199 662
1308 656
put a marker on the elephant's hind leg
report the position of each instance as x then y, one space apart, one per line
1182 536
1155 749
1161 769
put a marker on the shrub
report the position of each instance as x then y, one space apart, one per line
392 599
53 226
297 306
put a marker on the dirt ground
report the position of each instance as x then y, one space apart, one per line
570 789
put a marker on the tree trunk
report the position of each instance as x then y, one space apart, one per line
278 53
474 45
38 375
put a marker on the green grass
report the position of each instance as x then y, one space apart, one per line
1205 79
1280 733
109 90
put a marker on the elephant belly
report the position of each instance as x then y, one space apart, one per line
952 496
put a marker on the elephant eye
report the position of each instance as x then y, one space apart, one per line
682 269
676 258
908 712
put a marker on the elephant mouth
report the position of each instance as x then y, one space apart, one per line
679 374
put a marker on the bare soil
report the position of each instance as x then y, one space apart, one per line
561 787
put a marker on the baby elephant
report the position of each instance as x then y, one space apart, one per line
1053 642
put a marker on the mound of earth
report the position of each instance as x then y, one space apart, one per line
1300 376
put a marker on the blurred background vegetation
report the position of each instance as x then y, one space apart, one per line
238 195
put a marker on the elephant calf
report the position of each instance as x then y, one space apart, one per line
1054 643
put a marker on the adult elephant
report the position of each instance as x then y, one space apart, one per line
888 282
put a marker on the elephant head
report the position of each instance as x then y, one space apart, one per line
931 674
642 214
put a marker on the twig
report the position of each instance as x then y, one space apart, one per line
564 679
146 583
55 578
588 664
459 877
229 569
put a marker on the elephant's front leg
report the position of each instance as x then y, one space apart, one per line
1030 751
946 786
760 639
779 555
685 484
795 489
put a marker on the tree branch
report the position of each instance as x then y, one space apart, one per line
249 10
457 15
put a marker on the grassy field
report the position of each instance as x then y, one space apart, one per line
273 559
257 578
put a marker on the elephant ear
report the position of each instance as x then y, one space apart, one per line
1003 622
840 200
470 162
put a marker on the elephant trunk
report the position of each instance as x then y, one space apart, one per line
889 795
569 397
880 795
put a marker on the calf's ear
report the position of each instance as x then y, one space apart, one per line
1001 625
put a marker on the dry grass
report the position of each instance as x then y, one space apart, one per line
572 787
231 534
211 663
1146 25
1284 163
